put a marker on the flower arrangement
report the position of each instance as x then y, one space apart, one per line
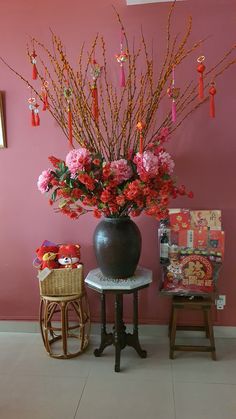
120 165
127 186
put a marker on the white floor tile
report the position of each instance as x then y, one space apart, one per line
35 386
205 401
41 397
156 366
36 361
120 397
199 367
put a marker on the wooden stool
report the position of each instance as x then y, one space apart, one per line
77 306
196 303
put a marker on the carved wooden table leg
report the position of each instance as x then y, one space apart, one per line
118 330
133 339
106 338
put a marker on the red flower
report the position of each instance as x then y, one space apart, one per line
55 162
97 213
96 162
106 171
135 213
76 193
87 181
73 215
89 201
54 182
120 199
190 194
106 196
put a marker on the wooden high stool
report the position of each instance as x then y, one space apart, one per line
64 313
194 303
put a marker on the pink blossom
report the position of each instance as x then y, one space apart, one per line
77 159
147 162
166 161
44 180
121 170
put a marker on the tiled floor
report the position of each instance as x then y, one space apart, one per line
34 386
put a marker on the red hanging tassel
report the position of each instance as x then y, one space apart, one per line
68 96
70 137
34 70
32 104
201 68
95 110
212 92
122 76
141 143
33 122
45 101
122 57
36 115
140 127
37 119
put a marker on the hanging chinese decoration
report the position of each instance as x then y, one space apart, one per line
173 93
212 92
44 91
95 73
201 68
68 96
140 127
122 57
116 123
34 68
33 107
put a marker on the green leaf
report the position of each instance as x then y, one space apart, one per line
54 195
62 204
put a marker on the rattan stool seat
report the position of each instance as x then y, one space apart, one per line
60 298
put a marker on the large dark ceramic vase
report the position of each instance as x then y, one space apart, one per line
117 243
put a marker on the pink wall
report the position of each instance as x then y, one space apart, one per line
204 150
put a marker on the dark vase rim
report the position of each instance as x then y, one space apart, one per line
126 217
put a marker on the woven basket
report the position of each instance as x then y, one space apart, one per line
63 282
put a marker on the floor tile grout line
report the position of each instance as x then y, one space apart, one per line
173 388
77 408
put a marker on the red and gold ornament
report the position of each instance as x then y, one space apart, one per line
201 68
33 107
68 95
95 73
44 90
34 69
212 92
122 57
140 126
173 93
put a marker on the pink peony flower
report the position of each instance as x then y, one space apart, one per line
121 170
166 160
44 180
147 162
77 159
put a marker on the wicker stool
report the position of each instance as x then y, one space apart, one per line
64 316
197 303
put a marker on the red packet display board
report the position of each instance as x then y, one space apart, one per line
216 242
179 219
193 239
206 218
188 275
